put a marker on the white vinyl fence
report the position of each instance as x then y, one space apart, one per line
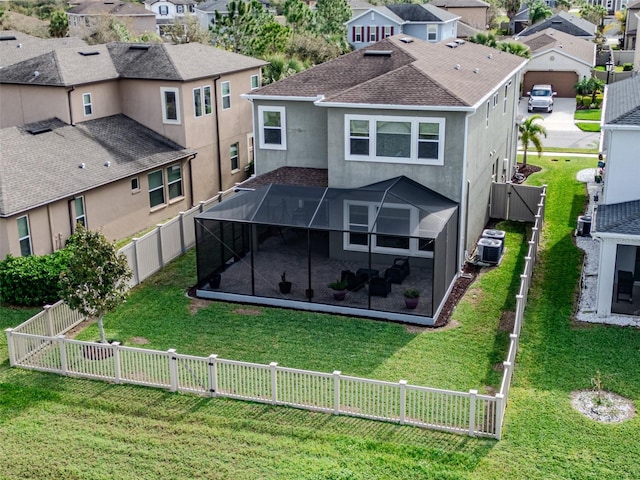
40 344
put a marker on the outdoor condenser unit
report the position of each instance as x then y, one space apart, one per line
584 226
496 235
489 250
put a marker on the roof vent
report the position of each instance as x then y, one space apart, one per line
457 66
476 70
452 45
406 40
560 46
107 163
88 54
19 45
82 165
38 130
377 53
138 47
490 56
5 38
459 41
36 74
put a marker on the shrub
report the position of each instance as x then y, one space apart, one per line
627 67
32 281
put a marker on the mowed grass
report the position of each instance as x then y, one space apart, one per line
59 427
588 126
588 114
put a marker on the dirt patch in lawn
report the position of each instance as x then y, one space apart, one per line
247 311
139 340
507 321
78 328
197 304
603 406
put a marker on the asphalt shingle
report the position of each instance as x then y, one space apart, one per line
622 218
622 102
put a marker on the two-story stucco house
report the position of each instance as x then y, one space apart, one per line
194 137
631 26
425 22
617 216
472 12
89 15
168 11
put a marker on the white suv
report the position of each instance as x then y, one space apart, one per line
541 97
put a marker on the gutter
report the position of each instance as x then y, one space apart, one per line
188 162
71 122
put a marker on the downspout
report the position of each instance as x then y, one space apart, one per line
69 91
188 162
215 102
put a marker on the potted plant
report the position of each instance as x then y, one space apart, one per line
214 280
411 298
339 288
285 286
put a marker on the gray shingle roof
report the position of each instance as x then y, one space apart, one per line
358 78
622 218
93 7
564 22
459 3
39 169
550 38
310 177
622 102
413 12
26 46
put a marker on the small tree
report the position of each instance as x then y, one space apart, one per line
59 24
95 281
538 11
530 134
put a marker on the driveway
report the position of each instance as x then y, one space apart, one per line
561 129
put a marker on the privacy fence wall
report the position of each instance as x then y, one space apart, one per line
40 344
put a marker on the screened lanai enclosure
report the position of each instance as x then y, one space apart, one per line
283 245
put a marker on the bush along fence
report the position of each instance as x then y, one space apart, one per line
40 344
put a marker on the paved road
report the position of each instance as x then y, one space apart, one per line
561 129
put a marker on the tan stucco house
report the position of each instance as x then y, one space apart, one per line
183 97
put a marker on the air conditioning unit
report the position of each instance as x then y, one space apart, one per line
497 234
584 226
489 250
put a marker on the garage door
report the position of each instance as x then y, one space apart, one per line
563 82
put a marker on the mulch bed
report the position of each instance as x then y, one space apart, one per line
469 274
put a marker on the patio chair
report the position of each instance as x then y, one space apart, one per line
625 285
398 271
354 282
379 287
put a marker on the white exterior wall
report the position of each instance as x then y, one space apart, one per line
371 19
622 167
556 61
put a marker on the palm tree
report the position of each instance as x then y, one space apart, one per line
515 48
530 134
538 11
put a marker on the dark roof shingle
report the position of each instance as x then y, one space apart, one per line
622 218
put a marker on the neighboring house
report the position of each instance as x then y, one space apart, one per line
424 22
168 11
631 28
86 17
471 12
206 12
563 22
357 6
611 6
558 59
111 174
617 217
465 31
520 21
17 46
189 94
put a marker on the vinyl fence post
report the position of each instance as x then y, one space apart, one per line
336 392
201 205
472 412
403 400
173 369
136 263
273 366
213 375
116 361
47 313
183 247
12 352
499 413
63 354
160 252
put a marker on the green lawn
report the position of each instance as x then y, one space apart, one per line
571 150
589 114
588 127
59 427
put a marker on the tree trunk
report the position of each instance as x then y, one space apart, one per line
103 338
524 157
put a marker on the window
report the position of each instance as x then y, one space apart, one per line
179 8
197 102
357 34
135 184
24 236
192 8
488 109
394 221
81 218
432 33
233 154
163 10
417 140
506 97
170 105
387 31
87 105
226 95
496 96
207 100
372 34
255 82
156 188
174 181
273 128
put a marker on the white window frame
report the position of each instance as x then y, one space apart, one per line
136 188
506 98
25 237
414 242
192 8
488 111
206 100
386 31
225 96
414 121
255 82
358 33
432 33
373 34
179 8
163 10
87 104
172 182
198 95
82 218
283 128
163 95
496 96
236 156
161 187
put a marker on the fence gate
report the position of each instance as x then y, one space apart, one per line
511 201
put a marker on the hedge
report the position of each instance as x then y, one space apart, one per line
32 281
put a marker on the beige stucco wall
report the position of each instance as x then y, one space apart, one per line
21 104
105 99
135 24
475 17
